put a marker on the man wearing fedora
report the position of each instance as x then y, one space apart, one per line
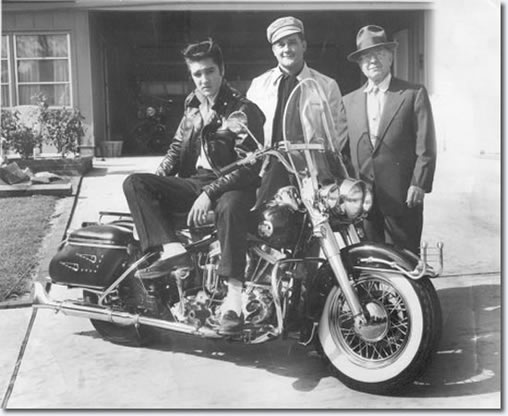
271 90
391 140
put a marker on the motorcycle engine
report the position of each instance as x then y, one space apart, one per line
257 305
195 298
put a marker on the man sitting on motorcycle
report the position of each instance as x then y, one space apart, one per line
188 178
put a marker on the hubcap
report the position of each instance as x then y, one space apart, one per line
377 324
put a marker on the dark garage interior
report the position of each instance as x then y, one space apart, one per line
136 58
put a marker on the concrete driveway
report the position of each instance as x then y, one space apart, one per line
53 362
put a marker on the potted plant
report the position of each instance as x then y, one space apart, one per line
112 148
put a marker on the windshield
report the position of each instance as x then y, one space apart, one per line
310 135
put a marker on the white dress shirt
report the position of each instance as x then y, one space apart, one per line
205 108
376 98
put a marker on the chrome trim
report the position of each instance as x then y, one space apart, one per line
331 248
268 256
114 214
276 300
288 146
421 269
312 333
113 246
43 301
123 276
353 234
97 289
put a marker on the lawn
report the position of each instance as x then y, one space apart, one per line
24 221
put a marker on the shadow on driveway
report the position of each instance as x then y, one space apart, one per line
467 361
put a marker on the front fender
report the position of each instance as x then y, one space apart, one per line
356 254
320 285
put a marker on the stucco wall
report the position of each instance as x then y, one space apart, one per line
466 75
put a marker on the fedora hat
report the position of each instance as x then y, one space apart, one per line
370 37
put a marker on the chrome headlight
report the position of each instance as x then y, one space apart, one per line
329 196
368 200
355 198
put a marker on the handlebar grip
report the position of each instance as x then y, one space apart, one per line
229 168
250 159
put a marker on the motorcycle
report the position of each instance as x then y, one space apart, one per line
149 135
369 308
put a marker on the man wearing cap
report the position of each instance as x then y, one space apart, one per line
391 140
270 91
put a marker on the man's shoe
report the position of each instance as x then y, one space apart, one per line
164 267
230 321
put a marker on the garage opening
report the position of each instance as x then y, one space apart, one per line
140 80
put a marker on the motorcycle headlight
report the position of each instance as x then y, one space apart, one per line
353 198
329 196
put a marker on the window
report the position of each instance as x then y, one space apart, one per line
6 74
42 65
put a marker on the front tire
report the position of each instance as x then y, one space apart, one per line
397 344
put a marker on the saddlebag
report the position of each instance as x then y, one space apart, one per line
92 256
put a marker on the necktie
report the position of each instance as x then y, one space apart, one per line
376 114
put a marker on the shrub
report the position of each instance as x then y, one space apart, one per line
61 127
21 131
27 129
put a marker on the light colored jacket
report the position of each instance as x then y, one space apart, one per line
264 88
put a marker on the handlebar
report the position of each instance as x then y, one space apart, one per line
251 158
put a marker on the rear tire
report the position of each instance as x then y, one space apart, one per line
130 335
382 357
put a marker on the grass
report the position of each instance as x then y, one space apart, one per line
24 221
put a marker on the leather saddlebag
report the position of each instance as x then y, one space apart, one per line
92 256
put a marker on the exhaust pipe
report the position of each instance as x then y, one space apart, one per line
99 313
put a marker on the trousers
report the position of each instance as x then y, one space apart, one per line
153 199
403 231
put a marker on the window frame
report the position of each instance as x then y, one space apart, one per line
68 58
9 83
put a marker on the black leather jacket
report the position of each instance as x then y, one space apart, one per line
185 148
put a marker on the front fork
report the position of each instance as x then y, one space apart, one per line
331 249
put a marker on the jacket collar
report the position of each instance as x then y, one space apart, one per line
303 74
224 96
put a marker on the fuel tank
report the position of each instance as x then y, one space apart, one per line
92 256
279 225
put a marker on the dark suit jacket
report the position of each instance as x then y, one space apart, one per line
405 153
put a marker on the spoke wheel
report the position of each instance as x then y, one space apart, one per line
381 340
395 344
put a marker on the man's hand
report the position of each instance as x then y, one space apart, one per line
415 196
197 214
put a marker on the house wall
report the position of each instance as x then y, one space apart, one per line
466 57
70 21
